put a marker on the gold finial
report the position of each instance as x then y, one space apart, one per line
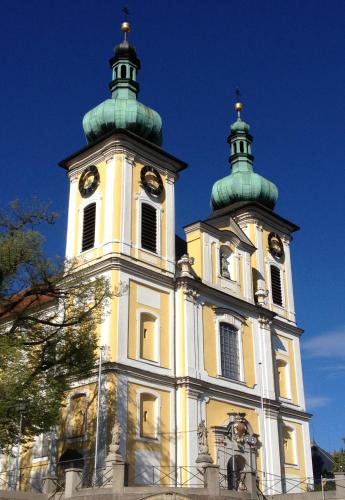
238 104
125 26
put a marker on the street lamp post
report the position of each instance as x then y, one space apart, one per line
21 406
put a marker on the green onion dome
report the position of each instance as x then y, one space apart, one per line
243 184
123 110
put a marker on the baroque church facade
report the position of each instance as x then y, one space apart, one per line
203 329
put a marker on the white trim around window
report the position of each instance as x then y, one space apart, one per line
87 201
139 313
272 262
144 198
157 397
234 321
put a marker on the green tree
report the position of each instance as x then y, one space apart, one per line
339 459
49 311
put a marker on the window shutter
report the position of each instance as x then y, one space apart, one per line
148 227
89 224
276 285
230 363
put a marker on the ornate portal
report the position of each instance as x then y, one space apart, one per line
236 452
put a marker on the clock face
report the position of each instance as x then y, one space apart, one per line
151 181
89 181
275 245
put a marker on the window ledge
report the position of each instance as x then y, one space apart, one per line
233 380
36 460
285 400
150 362
143 439
292 466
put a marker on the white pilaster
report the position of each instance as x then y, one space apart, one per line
191 332
271 453
299 374
109 204
122 341
121 411
247 272
170 224
260 252
72 233
307 453
267 368
207 261
106 323
192 425
288 274
126 206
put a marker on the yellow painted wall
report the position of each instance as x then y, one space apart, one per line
248 355
134 327
290 369
214 257
211 342
299 470
195 249
161 444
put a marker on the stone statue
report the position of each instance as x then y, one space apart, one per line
114 448
224 265
203 451
240 428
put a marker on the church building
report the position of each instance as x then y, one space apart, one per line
202 331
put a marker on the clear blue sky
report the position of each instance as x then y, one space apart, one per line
288 60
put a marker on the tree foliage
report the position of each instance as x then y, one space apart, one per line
339 459
49 312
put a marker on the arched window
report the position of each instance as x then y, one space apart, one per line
276 286
148 339
148 227
148 416
229 351
235 148
241 147
89 225
123 71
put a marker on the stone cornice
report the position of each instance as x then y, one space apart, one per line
252 212
222 234
126 142
219 295
114 261
288 327
197 387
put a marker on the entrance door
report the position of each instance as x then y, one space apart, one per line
235 469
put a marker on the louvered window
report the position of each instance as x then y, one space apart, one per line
148 227
276 285
230 362
89 225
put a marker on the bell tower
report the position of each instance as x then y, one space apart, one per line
122 182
